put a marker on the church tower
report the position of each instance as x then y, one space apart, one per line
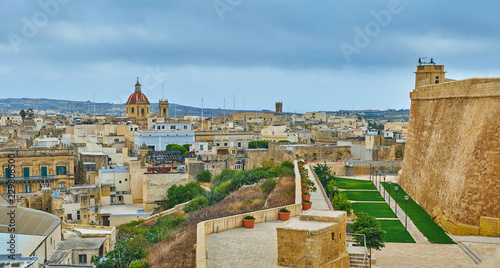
163 106
137 104
428 73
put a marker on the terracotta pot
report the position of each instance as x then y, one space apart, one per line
249 224
398 159
307 162
305 190
339 160
306 205
381 159
315 161
284 216
306 197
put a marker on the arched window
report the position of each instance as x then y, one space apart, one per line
164 111
142 111
132 109
238 165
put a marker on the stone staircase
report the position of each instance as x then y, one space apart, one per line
358 259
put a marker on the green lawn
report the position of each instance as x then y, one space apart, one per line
420 218
364 195
395 232
355 184
377 210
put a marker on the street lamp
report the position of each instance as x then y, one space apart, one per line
396 189
370 171
334 191
406 212
389 193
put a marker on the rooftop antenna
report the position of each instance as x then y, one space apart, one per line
94 104
201 114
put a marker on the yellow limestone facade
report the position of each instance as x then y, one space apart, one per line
452 154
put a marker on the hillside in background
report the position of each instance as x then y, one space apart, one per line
14 105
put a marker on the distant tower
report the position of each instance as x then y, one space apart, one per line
428 73
279 107
163 106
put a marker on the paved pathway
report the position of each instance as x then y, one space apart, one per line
242 247
318 200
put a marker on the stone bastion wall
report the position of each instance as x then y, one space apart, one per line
452 160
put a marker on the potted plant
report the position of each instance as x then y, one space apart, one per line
305 190
339 156
284 214
249 222
315 159
306 196
306 205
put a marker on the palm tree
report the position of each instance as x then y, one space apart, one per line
22 113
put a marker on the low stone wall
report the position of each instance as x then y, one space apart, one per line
166 212
488 226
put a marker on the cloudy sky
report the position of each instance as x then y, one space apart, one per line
311 55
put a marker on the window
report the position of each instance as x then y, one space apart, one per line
218 144
126 179
60 170
26 171
82 258
61 185
120 198
142 111
185 127
43 171
225 143
78 215
26 188
238 165
158 127
44 186
201 147
437 77
70 217
239 144
164 111
120 182
132 109
7 172
51 240
172 127
162 127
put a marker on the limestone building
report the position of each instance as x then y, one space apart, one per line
452 153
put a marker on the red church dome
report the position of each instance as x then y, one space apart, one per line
137 96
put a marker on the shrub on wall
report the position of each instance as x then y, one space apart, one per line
204 176
268 185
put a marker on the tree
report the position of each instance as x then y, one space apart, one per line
204 176
268 185
340 202
258 144
178 194
187 145
176 147
22 113
370 227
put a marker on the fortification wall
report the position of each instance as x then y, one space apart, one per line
452 158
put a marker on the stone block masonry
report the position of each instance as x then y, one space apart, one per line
452 155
